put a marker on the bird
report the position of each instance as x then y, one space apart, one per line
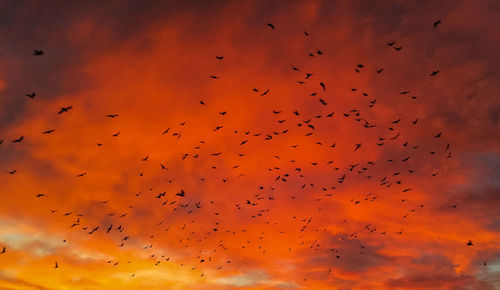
37 52
436 23
434 73
56 265
219 57
18 140
65 109
112 115
32 95
48 131
12 172
469 243
265 93
82 174
271 25
3 250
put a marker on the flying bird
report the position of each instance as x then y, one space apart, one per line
65 109
18 140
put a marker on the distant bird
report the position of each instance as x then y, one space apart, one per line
65 109
48 131
18 140
306 33
398 48
434 73
112 115
436 23
12 172
391 43
214 77
203 103
32 95
116 134
469 243
38 52
41 195
437 135
271 25
56 265
219 57
81 174
3 250
323 86
265 93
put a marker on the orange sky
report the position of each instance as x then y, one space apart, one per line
271 211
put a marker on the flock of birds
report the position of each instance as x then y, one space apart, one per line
261 204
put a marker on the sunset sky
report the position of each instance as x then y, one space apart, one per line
250 144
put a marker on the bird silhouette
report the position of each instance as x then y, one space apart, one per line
64 109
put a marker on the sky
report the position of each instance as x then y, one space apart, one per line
250 145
